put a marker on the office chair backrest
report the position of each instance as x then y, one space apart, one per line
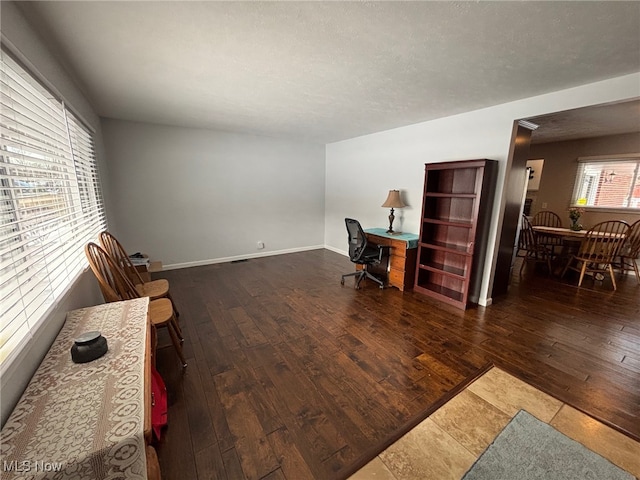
357 239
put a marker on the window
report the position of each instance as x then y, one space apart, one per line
50 202
612 182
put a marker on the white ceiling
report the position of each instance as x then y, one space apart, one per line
327 71
611 119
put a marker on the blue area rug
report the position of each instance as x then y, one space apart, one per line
529 449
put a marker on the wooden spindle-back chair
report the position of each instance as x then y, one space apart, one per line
115 286
598 249
630 251
153 289
547 218
528 242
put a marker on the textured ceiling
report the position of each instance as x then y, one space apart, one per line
612 119
327 71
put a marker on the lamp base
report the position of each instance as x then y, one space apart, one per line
391 219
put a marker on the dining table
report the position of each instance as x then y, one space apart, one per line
569 241
567 232
559 231
88 420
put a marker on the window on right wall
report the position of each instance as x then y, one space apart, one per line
611 182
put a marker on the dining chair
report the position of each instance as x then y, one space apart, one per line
528 243
522 246
630 251
547 218
599 249
153 289
115 286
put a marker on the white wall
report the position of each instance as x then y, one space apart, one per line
24 42
360 171
189 197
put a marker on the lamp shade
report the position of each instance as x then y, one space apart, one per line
393 200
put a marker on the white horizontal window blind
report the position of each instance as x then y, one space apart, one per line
608 182
50 202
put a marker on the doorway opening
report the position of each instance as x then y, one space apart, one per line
561 138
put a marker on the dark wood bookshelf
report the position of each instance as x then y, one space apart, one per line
456 208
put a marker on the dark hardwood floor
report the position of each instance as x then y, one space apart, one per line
292 376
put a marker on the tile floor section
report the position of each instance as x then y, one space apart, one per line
445 445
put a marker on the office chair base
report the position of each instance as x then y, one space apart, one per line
360 274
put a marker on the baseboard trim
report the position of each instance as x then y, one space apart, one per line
199 263
337 250
485 302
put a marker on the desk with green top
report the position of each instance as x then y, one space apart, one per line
402 255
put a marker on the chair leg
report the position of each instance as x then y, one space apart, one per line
566 267
377 280
621 265
175 309
176 343
584 268
352 274
176 326
634 264
524 260
360 274
613 280
359 279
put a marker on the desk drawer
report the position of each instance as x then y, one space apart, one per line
378 240
398 262
396 278
399 247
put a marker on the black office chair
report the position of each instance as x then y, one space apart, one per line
362 254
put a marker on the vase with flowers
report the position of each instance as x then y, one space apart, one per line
574 215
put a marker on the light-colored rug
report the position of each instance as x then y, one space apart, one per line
528 449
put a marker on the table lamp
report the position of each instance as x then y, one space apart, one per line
393 201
